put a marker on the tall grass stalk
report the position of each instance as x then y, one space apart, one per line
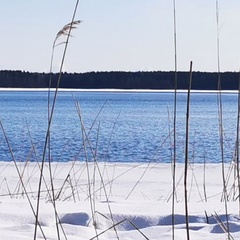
49 136
68 34
51 197
237 145
186 153
119 223
20 178
222 225
174 120
91 197
204 177
145 169
89 130
85 136
108 151
194 178
95 166
38 164
115 178
220 117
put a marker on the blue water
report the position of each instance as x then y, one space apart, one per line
121 126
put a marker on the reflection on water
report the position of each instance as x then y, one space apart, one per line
120 126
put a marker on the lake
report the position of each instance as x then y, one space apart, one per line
120 126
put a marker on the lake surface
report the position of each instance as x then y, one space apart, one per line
120 126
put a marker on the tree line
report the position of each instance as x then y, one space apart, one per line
120 80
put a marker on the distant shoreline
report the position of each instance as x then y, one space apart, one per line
158 80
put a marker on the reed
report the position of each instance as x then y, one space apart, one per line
21 180
220 118
204 177
186 153
237 145
65 31
174 120
69 189
87 141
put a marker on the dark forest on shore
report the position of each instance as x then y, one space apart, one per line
120 80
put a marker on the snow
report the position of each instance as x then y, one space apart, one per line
117 201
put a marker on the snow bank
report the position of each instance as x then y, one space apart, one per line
117 201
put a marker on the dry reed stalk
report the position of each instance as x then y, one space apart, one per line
68 34
37 163
191 164
138 181
222 225
72 189
51 198
33 192
31 152
115 178
111 185
98 169
74 180
95 167
194 179
20 178
88 133
231 171
237 145
119 223
57 196
186 154
220 113
91 197
9 192
204 177
77 180
96 148
170 130
109 143
177 184
174 120
145 170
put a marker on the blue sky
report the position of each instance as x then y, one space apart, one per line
120 35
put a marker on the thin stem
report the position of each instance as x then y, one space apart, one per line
237 145
96 164
51 117
186 153
204 177
20 178
49 143
220 113
91 197
174 120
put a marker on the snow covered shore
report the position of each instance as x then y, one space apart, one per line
116 201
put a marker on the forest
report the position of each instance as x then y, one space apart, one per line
120 80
